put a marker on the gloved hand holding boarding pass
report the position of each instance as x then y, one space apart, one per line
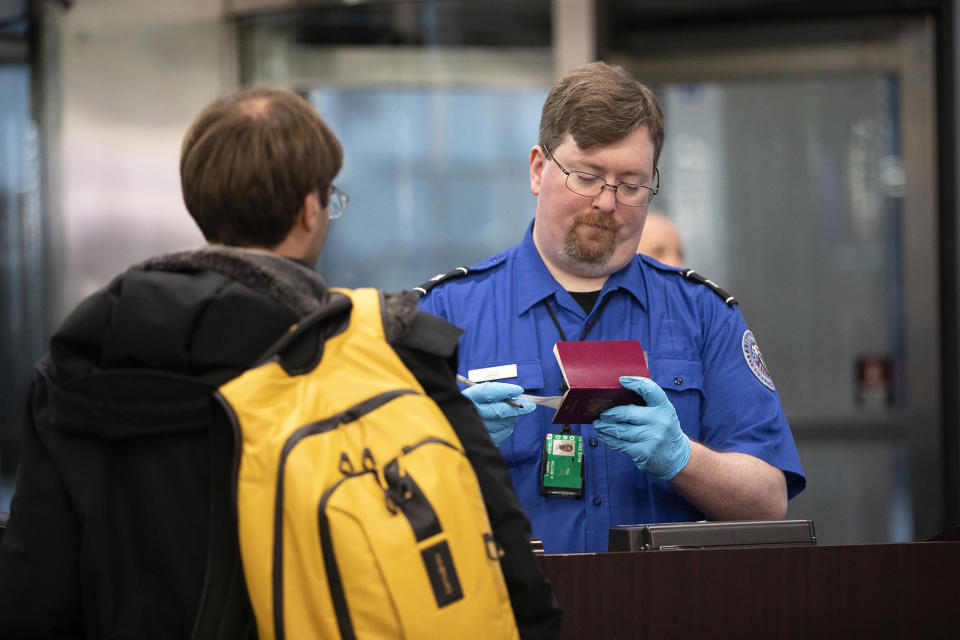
498 416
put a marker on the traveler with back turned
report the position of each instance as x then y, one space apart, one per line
124 519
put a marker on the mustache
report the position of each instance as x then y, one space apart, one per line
598 220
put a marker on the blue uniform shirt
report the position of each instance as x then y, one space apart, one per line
699 351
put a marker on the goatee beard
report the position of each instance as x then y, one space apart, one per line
585 245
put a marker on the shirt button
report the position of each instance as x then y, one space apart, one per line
678 381
594 442
597 501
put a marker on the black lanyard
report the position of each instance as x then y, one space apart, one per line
586 329
583 334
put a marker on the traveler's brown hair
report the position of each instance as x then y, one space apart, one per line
248 162
599 104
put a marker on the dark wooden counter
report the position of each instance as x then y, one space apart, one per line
859 591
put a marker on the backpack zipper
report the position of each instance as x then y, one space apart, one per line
337 593
351 414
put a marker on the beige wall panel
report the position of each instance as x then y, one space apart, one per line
134 73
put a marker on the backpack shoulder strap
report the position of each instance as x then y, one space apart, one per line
367 314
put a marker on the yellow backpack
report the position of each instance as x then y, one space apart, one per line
359 513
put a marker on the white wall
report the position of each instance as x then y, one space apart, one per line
134 73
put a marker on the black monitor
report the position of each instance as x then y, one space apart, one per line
702 535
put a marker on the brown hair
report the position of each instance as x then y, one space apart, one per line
599 104
248 162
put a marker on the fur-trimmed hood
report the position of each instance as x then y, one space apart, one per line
150 346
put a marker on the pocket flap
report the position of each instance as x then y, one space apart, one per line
529 373
677 374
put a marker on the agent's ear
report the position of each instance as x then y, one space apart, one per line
537 163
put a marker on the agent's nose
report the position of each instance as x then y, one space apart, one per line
606 200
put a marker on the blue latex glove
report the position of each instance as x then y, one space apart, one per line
650 435
498 416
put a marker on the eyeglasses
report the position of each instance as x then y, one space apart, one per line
591 186
338 203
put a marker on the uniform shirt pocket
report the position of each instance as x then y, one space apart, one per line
529 372
682 380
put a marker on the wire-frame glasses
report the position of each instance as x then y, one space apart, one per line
591 186
338 203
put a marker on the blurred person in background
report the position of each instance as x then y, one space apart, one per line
661 240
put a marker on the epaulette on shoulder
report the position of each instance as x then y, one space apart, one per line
425 288
490 263
693 276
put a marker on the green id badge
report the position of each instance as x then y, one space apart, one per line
562 466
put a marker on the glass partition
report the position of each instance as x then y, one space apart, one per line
21 269
437 178
787 193
437 106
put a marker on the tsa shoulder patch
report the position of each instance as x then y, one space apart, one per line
751 353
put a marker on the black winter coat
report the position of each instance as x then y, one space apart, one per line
110 529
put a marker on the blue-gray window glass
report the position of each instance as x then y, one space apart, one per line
437 178
788 193
21 273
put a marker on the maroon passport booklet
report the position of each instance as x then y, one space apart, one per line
591 369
